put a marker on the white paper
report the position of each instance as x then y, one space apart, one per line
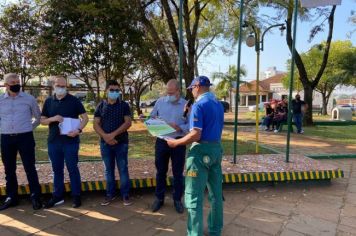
68 125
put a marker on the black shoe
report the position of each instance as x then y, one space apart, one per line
179 207
77 202
54 201
36 203
157 204
8 203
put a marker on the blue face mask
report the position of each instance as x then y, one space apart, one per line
114 95
171 98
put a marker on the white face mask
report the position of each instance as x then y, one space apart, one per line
60 91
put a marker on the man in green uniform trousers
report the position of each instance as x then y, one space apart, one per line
203 163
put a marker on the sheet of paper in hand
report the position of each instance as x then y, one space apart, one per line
158 127
68 125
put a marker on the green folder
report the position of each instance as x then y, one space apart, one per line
157 127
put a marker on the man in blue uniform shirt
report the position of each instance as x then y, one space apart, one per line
170 108
203 163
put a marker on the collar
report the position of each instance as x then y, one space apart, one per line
21 94
208 95
56 99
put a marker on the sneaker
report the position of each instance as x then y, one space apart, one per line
107 200
127 201
54 201
301 132
276 131
9 202
266 129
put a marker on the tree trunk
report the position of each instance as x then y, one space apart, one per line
308 99
324 110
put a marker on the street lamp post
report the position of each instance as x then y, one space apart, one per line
257 40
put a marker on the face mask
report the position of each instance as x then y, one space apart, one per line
15 88
114 95
172 98
60 91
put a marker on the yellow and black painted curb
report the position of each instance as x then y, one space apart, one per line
227 178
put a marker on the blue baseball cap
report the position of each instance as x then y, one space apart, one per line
201 81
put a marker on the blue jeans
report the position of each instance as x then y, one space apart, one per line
58 153
177 155
110 154
298 120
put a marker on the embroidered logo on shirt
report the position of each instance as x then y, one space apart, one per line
206 159
192 173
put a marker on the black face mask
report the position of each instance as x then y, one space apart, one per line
15 88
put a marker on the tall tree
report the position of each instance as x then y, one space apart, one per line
227 82
95 40
19 29
319 16
340 70
204 21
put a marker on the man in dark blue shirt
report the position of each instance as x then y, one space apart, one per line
112 119
203 163
63 147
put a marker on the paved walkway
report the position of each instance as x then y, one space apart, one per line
300 143
279 210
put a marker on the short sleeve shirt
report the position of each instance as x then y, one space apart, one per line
70 107
112 117
207 115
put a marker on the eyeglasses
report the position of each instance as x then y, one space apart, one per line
193 86
114 90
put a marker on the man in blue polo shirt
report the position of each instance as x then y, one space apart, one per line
112 119
63 148
203 163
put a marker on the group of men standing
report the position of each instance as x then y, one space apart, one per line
112 119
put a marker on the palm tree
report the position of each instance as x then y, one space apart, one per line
227 82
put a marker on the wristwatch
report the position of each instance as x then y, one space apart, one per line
80 131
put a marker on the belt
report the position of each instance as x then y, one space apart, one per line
16 134
211 142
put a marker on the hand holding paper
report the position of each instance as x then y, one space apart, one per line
68 125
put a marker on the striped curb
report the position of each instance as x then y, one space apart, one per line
227 178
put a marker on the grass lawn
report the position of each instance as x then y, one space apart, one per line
342 134
141 143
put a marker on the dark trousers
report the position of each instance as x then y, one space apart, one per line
177 156
25 145
59 153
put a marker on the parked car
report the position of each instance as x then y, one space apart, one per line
226 106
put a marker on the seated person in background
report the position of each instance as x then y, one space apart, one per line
280 115
268 119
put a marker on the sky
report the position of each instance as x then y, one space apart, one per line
276 52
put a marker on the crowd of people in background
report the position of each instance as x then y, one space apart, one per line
277 114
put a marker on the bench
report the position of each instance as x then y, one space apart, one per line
285 123
317 110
